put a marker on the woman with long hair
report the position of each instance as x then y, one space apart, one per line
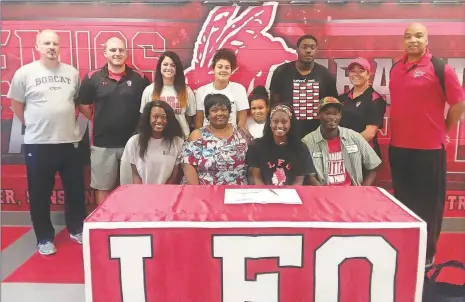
223 65
153 151
259 103
170 86
279 157
215 153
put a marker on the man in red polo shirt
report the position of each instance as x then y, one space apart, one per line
418 130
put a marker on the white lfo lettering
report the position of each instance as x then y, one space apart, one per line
234 250
131 251
336 168
333 252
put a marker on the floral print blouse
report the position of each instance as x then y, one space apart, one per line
218 161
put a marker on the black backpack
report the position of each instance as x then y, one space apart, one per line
438 65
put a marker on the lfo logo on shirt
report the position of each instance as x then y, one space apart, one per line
279 177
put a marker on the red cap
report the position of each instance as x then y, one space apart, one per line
362 62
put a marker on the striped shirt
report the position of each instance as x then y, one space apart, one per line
356 153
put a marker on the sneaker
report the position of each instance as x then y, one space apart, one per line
429 262
47 248
76 237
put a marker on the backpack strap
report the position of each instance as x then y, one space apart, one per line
439 66
392 67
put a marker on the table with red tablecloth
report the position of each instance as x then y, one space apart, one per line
174 243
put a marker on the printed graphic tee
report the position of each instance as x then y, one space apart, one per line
49 97
337 173
158 163
303 92
169 95
234 91
279 165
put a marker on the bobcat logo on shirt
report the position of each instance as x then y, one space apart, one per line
418 73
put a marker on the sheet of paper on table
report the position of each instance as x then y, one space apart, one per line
280 196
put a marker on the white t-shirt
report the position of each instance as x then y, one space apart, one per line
49 108
159 161
169 95
234 91
255 129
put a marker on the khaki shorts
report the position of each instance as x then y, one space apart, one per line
104 163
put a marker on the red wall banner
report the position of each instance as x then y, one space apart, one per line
263 35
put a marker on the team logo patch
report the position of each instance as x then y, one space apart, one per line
418 73
358 103
129 83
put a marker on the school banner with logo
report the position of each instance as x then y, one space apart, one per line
266 244
263 35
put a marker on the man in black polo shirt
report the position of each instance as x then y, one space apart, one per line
302 83
110 98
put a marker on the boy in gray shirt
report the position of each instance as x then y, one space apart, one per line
42 95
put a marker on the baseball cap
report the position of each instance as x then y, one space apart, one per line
362 62
329 100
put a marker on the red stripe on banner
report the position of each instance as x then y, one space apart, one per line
378 28
357 28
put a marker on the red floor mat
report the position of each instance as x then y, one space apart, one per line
66 266
451 246
10 234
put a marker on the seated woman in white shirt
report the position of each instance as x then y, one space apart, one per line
259 106
224 62
170 86
153 151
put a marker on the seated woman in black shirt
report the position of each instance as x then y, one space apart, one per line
279 157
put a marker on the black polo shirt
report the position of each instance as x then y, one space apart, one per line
303 92
366 109
116 105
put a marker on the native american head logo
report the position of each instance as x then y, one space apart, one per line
258 52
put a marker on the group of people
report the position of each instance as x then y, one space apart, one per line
301 133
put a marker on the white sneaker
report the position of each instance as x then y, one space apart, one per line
76 237
47 248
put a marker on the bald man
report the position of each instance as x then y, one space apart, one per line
43 98
420 87
110 97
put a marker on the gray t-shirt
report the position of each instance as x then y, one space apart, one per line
48 94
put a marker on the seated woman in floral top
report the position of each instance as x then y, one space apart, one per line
215 153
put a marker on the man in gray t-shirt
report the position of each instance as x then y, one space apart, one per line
42 95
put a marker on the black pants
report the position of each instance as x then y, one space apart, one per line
42 163
419 180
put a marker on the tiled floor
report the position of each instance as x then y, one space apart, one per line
30 277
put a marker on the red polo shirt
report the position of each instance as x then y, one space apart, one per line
417 116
